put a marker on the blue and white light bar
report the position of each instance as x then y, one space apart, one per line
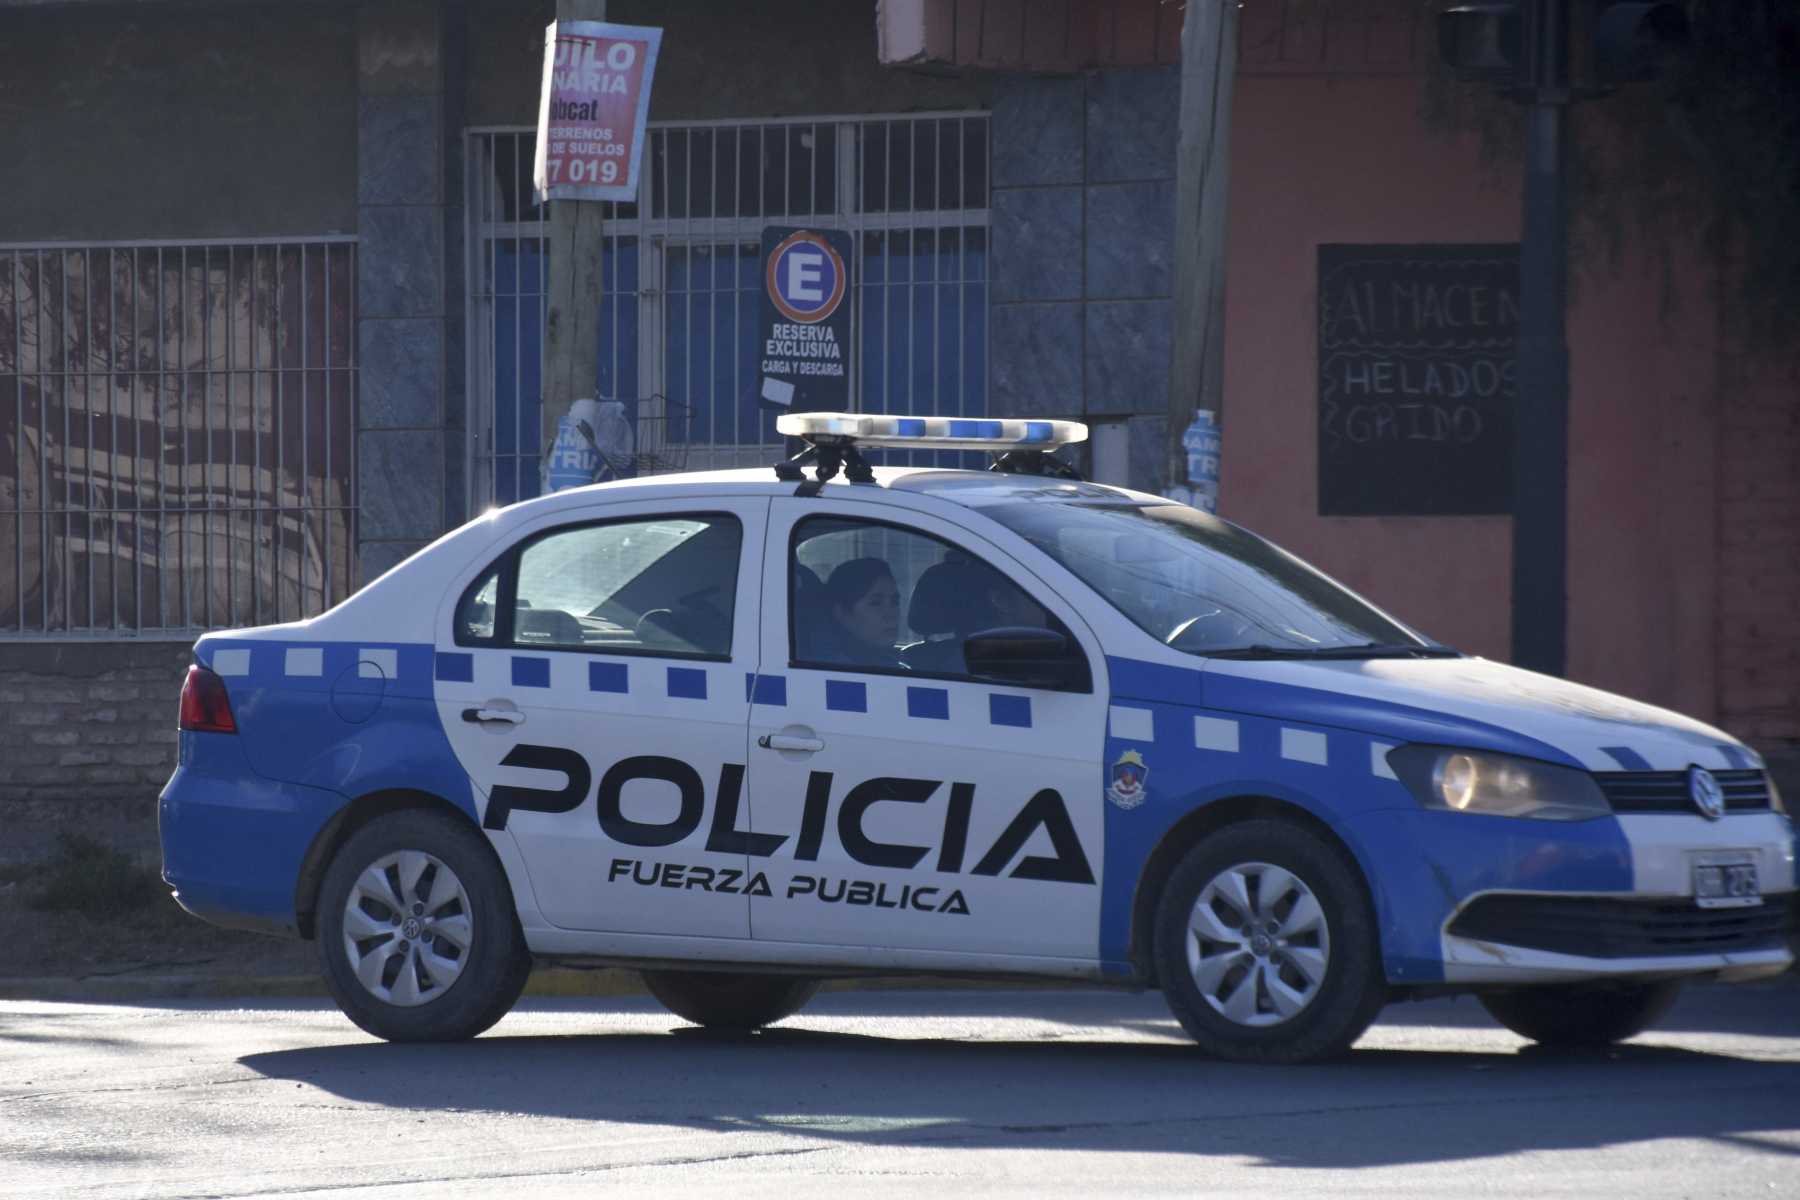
950 433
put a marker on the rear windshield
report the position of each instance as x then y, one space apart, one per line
1199 583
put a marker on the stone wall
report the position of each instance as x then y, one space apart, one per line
88 721
1083 241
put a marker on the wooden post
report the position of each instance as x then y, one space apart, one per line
1209 36
572 324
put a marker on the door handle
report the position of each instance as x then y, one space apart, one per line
805 743
510 716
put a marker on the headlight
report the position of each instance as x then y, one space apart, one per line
1775 800
1497 785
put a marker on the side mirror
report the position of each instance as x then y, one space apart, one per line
1027 656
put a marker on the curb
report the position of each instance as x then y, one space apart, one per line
545 982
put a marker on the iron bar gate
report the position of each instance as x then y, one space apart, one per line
680 271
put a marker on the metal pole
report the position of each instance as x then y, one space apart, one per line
1541 429
1209 37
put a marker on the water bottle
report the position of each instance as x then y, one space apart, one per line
1202 442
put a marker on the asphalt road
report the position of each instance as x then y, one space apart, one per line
935 1093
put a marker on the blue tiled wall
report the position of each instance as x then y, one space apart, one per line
1083 237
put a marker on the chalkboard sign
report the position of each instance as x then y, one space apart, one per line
1417 379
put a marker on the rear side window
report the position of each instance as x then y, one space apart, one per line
475 615
658 585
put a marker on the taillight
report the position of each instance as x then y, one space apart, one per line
205 708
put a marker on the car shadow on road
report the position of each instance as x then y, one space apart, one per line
1371 1108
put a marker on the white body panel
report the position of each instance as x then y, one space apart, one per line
1665 847
572 866
1008 913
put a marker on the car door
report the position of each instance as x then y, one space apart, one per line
594 682
902 802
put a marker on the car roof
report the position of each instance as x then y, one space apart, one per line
972 489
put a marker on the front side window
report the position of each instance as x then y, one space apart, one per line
1204 585
883 598
660 585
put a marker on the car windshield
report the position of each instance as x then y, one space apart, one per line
1205 586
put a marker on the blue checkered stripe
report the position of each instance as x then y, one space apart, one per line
565 673
399 669
1296 744
661 679
923 701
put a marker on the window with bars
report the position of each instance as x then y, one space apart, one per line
177 435
682 285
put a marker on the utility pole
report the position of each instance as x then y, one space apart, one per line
572 326
1541 432
1209 37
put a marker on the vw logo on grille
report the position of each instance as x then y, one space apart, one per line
1706 793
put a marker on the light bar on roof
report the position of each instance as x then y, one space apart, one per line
951 433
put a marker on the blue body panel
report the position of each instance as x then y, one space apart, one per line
1214 737
232 840
340 730
241 811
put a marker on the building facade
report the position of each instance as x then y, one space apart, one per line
273 284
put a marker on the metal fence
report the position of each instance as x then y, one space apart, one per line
177 435
682 290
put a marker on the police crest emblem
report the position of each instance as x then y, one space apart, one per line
1130 780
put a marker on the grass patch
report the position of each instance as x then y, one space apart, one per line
89 877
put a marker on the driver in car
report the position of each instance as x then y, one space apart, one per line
862 605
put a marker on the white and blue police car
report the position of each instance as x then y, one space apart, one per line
746 730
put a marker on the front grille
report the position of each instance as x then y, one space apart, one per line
1667 791
1604 928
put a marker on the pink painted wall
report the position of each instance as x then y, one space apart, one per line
1348 159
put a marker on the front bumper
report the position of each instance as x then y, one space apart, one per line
1440 881
1514 938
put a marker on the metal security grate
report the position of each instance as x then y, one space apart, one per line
682 288
177 435
1667 791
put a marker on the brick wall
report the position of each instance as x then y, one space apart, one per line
88 721
1759 552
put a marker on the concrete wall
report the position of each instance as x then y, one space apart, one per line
166 121
720 59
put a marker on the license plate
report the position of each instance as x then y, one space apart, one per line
1726 884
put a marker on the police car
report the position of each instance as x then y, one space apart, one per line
747 730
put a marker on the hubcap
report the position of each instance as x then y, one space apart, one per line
1257 944
407 928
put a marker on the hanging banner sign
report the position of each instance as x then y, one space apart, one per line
804 338
592 109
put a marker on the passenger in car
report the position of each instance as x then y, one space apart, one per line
955 598
862 607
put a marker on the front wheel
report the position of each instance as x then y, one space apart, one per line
1582 1014
728 1000
417 931
1266 946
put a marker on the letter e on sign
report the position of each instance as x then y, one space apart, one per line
805 278
804 271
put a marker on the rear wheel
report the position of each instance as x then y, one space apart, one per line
729 1000
417 932
1266 947
1582 1014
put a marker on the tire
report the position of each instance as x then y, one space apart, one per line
466 963
727 1000
1305 981
1582 1014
